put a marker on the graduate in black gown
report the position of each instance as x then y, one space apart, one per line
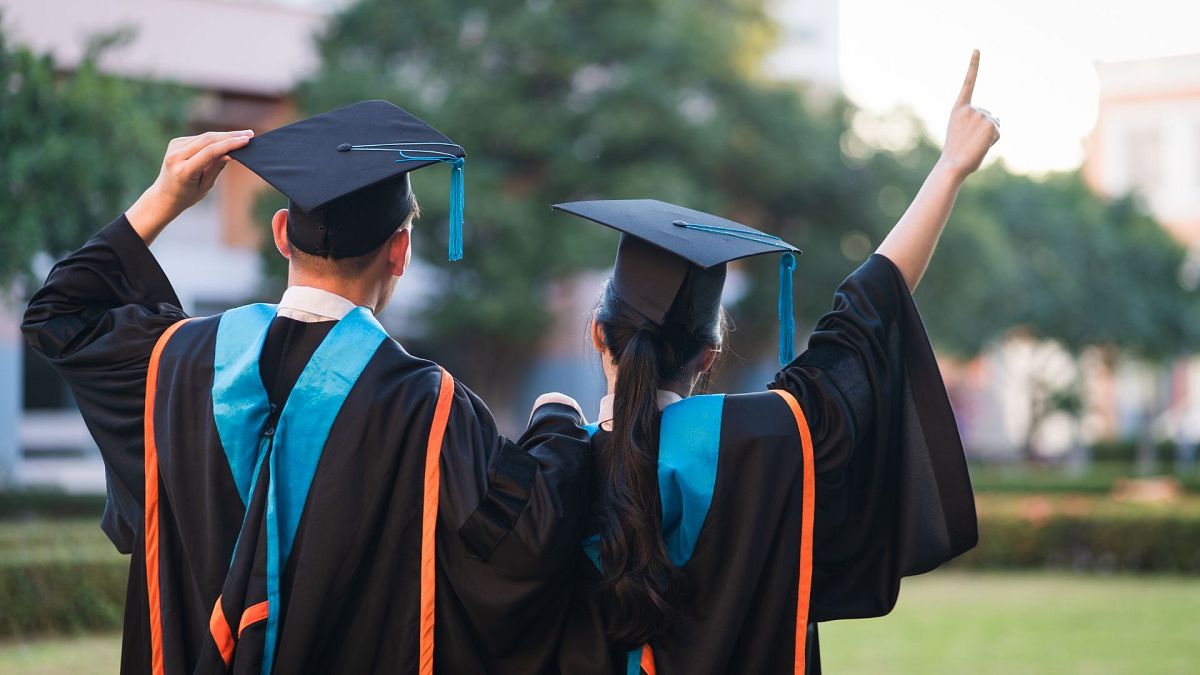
297 492
726 527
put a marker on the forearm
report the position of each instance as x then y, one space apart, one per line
914 237
149 216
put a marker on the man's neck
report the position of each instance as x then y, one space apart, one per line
354 291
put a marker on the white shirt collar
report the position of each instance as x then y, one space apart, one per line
310 305
604 419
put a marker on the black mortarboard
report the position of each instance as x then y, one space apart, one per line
345 203
668 251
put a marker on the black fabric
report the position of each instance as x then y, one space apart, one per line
512 474
892 496
345 203
286 351
108 294
659 261
897 500
351 584
307 160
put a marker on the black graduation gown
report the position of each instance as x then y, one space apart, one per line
892 496
350 586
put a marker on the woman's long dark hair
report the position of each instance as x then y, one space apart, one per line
642 588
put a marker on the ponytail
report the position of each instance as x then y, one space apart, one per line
642 588
638 574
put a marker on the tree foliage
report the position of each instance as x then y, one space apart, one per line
78 146
562 100
557 100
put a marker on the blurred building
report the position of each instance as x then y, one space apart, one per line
243 59
808 42
1147 138
1147 142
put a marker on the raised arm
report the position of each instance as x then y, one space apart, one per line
892 490
102 309
971 132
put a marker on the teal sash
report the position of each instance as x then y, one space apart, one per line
688 449
293 448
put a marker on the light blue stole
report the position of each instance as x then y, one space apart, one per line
688 449
292 449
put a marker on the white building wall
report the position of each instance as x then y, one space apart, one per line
243 57
1147 141
1147 138
808 42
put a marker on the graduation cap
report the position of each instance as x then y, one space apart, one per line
672 254
345 174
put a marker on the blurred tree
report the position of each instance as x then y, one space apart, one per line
565 99
1084 271
78 147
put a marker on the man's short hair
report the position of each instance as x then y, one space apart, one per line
349 267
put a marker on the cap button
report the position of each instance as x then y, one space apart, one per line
680 223
344 147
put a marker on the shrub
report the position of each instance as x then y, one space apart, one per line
1085 534
27 504
58 595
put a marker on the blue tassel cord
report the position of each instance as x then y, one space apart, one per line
457 200
419 153
787 263
787 319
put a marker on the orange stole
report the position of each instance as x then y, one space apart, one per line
433 476
809 504
151 506
222 635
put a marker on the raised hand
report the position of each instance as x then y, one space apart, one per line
189 170
972 130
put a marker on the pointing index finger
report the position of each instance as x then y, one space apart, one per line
968 87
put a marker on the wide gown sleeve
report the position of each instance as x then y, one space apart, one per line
96 320
511 518
893 495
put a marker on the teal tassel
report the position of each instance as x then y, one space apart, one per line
456 208
787 319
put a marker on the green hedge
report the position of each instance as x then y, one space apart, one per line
63 576
1096 479
52 596
59 576
1085 534
26 504
1126 450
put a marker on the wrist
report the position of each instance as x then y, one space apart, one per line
951 169
149 214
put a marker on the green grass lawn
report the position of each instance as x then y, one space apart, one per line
954 622
947 622
89 655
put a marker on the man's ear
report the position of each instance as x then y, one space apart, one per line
279 232
399 252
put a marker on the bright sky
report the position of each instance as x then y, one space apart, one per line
1036 71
